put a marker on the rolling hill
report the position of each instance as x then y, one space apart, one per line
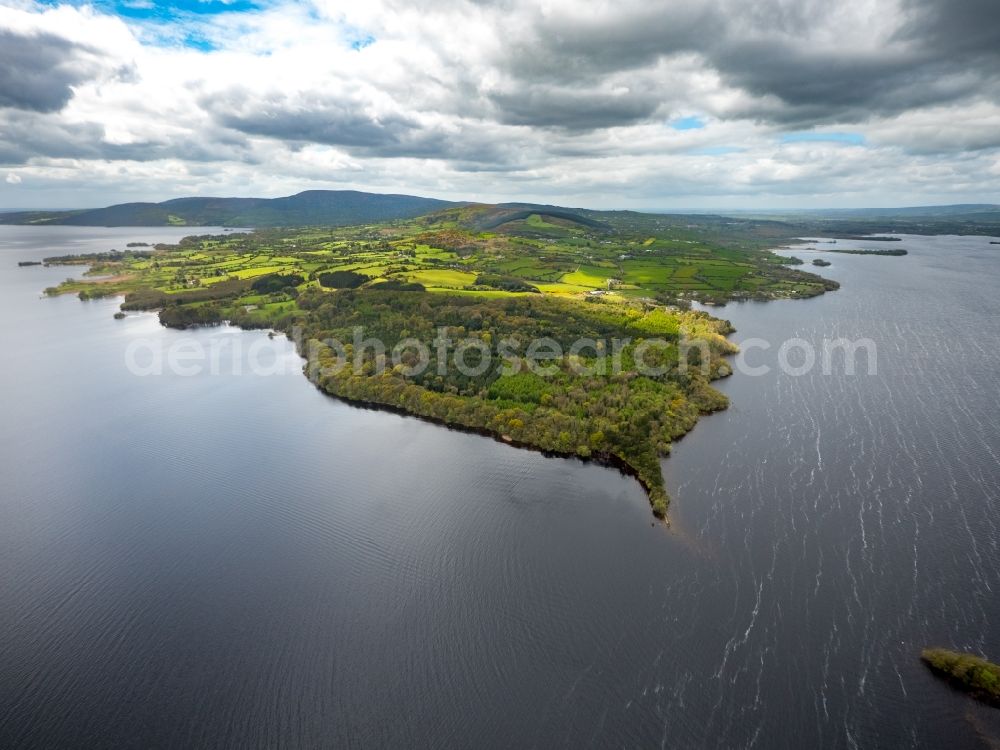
312 207
742 229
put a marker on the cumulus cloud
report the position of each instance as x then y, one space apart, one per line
807 62
333 120
574 110
13 179
44 58
564 101
38 71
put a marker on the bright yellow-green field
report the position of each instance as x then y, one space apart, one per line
590 277
561 288
444 278
249 273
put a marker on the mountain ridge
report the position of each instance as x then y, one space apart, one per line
319 207
351 207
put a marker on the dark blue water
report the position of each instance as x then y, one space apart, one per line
238 561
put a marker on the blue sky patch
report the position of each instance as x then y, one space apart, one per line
200 43
362 42
687 123
852 139
170 24
152 10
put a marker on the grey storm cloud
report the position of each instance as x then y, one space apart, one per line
572 110
27 135
969 29
344 122
811 88
38 71
333 122
939 52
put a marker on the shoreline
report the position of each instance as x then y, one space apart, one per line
604 459
655 495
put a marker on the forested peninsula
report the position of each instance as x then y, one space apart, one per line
491 282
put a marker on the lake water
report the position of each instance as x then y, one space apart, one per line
239 561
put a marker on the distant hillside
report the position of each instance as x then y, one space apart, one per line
313 207
738 229
957 211
967 219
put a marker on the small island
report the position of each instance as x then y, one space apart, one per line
24 263
820 262
870 238
862 251
973 674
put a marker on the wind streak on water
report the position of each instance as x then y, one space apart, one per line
242 562
866 505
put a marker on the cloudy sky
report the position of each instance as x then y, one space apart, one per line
631 103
